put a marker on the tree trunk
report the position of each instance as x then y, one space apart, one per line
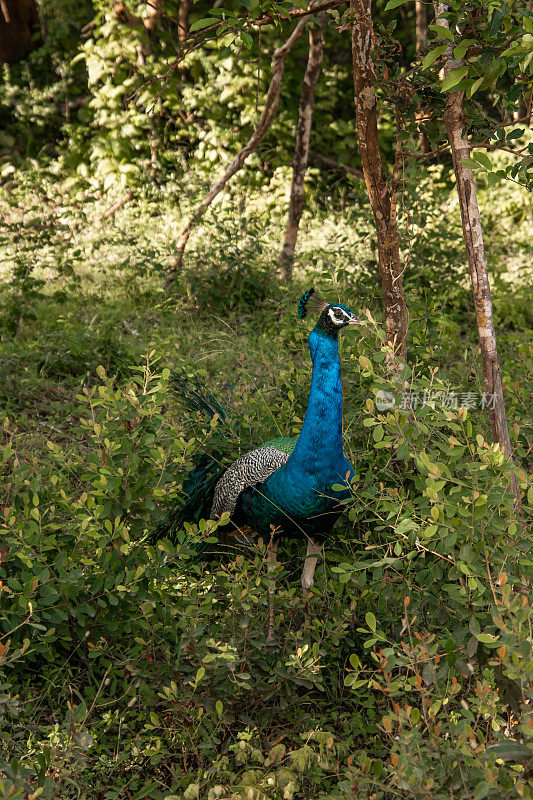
301 149
20 29
265 121
183 21
475 249
382 199
421 26
153 14
149 23
421 46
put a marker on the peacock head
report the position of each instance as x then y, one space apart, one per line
333 316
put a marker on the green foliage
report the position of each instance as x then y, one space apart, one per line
36 94
494 48
102 96
133 665
417 645
121 123
232 275
128 670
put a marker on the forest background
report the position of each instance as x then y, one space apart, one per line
128 250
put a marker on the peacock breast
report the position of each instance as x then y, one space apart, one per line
307 492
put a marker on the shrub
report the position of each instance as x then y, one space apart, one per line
409 671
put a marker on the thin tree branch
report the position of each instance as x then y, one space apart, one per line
269 19
431 153
332 163
265 121
301 148
122 202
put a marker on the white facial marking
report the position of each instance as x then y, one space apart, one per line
338 316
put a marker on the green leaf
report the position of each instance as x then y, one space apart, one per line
528 23
394 4
247 39
48 595
371 621
433 55
453 77
355 684
199 675
516 134
337 487
378 433
442 31
469 162
481 791
475 86
483 159
203 23
494 177
487 638
460 51
509 751
403 450
355 661
406 525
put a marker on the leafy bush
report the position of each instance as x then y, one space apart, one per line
36 94
232 276
415 634
128 669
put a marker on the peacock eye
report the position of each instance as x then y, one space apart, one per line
338 314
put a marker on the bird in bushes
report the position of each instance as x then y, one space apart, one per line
287 486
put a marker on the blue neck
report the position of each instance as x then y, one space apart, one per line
318 451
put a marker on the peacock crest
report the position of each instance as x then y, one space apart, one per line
311 301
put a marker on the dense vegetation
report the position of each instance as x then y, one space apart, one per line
136 670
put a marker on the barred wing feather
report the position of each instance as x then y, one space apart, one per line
248 470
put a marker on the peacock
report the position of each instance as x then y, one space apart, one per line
288 486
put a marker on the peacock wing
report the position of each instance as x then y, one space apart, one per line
248 470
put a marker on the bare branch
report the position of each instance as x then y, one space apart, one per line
122 202
265 121
269 19
332 163
301 149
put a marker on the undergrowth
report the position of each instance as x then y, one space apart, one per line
129 670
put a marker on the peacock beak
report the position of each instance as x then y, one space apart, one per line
355 320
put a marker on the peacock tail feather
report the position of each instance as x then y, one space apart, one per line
214 485
198 490
190 392
285 444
